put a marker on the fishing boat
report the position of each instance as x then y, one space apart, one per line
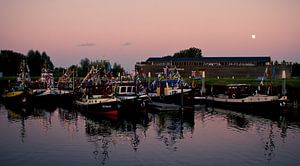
66 87
96 95
45 93
169 88
131 96
19 94
98 104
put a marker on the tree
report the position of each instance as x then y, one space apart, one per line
296 70
192 52
84 67
47 62
35 62
58 71
117 69
10 62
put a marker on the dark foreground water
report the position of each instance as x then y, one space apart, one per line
195 137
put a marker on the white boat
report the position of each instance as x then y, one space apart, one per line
97 104
237 96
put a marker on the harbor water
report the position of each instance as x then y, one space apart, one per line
199 136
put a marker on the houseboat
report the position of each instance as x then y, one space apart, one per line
239 96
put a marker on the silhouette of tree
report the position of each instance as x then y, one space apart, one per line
35 62
10 62
117 69
296 70
188 53
47 62
84 67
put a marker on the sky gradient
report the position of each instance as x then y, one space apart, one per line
128 31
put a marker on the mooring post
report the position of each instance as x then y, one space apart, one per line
283 83
149 79
181 96
203 90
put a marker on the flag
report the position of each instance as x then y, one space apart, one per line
108 68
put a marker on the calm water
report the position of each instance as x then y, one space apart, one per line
196 137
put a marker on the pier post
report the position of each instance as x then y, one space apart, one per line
149 79
203 90
283 82
181 99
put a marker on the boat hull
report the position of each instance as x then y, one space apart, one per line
66 99
132 103
17 99
98 107
45 99
171 99
261 103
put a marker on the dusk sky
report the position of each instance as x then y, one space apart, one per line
128 31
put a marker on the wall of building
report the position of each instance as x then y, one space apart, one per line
215 71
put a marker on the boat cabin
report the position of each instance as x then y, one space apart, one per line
234 91
126 90
168 87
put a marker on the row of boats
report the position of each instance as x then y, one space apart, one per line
104 95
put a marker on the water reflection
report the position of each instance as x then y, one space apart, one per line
263 123
20 115
238 122
172 126
69 119
199 134
106 131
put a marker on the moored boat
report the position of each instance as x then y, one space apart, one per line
169 88
238 96
19 95
97 95
45 94
130 96
66 87
98 104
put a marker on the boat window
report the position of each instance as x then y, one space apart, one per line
133 89
123 89
129 89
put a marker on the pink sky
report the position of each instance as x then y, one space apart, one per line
127 31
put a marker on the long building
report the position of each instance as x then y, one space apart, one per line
246 67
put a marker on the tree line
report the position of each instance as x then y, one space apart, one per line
296 70
85 66
10 64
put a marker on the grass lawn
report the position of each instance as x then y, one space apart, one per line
293 82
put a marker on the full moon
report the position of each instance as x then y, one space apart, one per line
253 36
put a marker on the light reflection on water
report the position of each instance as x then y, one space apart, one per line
203 136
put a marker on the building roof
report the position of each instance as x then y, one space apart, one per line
211 59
